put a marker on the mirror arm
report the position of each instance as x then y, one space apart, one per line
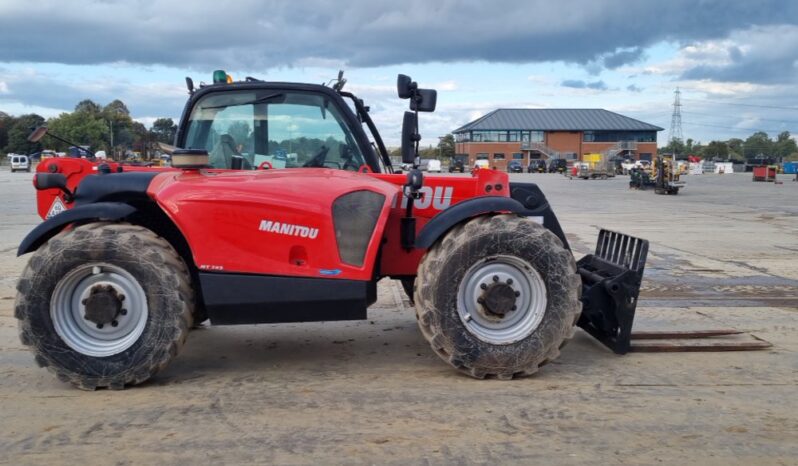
71 144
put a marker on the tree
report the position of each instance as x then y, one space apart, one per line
716 150
82 128
758 144
88 106
446 146
142 137
785 145
116 108
5 124
164 130
20 130
119 123
735 146
675 146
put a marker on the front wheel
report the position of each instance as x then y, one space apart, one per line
498 296
104 305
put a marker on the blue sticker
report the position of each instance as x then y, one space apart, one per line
329 271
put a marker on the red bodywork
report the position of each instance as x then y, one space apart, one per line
220 214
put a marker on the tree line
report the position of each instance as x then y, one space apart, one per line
109 128
757 146
444 150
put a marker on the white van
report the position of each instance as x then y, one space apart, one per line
434 166
19 162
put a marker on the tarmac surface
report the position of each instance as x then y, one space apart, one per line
723 254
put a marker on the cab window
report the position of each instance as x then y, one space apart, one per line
274 129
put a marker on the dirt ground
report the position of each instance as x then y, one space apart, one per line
723 254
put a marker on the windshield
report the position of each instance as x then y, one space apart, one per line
272 129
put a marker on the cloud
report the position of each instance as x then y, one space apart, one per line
253 35
756 55
579 84
634 88
31 88
622 57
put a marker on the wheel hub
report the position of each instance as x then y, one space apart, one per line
501 299
103 306
498 299
99 309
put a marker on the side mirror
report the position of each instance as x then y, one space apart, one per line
37 134
190 158
404 86
424 101
409 137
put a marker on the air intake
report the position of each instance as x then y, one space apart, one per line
354 216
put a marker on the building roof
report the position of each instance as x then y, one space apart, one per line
556 119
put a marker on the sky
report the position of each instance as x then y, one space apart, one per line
735 61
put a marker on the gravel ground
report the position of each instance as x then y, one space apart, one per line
722 255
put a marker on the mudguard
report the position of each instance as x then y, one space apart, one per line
450 217
99 211
526 199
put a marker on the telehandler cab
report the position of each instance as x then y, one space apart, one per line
282 205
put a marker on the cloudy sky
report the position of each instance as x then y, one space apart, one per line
736 61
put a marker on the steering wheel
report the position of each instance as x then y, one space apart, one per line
318 159
265 165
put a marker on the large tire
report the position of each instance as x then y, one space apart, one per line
133 268
510 246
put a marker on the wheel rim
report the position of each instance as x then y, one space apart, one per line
114 318
485 297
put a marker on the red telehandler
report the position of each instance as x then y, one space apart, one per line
281 205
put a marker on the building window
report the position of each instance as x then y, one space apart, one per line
498 156
482 156
462 137
616 136
490 136
518 156
536 136
513 136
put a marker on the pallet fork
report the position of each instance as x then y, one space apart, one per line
611 279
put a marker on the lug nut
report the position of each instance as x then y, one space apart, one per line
124 311
483 286
121 297
481 300
509 281
517 294
513 308
495 278
99 325
114 323
84 302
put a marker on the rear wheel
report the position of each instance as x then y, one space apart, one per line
104 305
498 296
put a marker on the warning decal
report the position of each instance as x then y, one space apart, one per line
56 208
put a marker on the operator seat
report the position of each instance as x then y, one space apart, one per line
221 155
